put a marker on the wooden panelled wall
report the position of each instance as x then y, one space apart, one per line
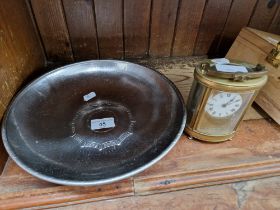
20 53
89 29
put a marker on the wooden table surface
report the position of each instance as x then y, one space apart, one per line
253 153
261 194
194 174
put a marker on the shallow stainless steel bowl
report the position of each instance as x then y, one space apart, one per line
47 129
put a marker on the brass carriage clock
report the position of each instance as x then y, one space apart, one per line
221 92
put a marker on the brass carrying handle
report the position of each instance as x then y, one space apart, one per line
253 72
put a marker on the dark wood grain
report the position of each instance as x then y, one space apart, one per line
214 18
51 22
189 17
140 28
238 18
163 20
159 28
109 21
136 27
275 24
3 156
263 14
81 25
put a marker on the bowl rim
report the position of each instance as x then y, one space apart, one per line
95 182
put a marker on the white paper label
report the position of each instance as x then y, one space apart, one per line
220 61
89 96
97 124
231 68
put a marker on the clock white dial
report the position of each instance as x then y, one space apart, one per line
223 104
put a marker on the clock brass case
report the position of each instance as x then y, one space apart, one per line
221 124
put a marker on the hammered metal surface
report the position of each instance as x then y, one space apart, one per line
47 128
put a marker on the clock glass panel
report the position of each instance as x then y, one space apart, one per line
221 112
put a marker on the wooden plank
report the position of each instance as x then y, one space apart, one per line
253 153
81 25
59 194
254 113
268 37
263 194
253 46
51 22
181 180
20 54
17 183
163 20
136 27
239 16
188 20
11 169
211 26
109 21
263 14
275 24
255 194
178 70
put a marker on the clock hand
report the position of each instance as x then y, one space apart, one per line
229 102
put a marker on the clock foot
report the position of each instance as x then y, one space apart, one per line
190 137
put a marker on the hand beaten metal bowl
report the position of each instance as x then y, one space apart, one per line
47 128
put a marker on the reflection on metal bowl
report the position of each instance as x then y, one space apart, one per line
93 122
